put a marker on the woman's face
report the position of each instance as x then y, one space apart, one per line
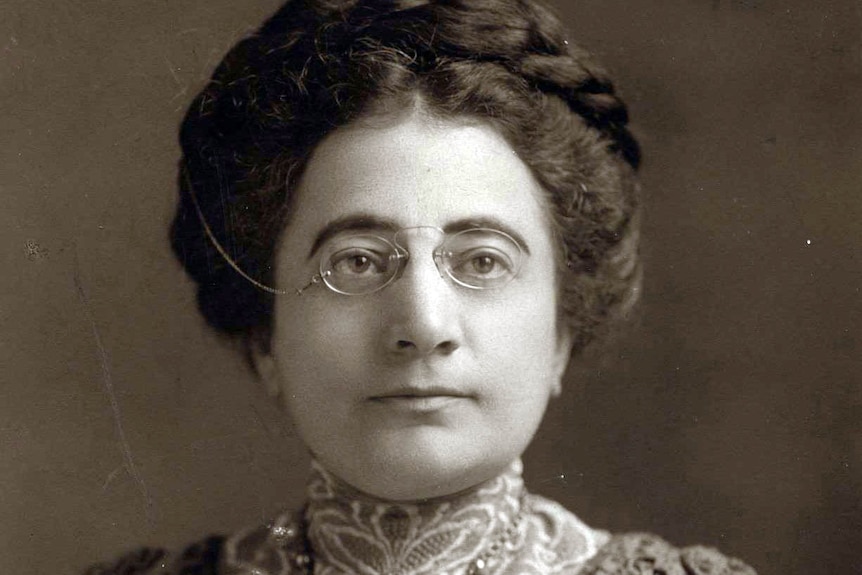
426 387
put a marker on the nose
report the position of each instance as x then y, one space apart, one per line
422 316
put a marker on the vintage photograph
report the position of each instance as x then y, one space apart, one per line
431 287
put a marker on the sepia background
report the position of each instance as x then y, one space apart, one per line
728 413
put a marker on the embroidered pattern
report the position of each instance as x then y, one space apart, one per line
352 533
647 554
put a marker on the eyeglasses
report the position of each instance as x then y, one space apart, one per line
361 263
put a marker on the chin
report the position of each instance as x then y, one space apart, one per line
424 467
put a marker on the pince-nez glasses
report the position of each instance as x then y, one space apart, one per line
363 263
360 263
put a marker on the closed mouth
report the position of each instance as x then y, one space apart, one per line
417 393
417 403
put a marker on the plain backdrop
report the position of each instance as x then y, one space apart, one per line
728 413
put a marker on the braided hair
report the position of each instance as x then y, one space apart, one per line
317 65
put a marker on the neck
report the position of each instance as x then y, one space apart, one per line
354 532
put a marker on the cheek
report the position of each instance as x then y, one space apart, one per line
528 316
317 344
519 343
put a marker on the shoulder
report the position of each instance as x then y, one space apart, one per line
250 550
647 554
556 540
574 545
199 559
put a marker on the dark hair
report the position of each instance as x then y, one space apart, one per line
320 64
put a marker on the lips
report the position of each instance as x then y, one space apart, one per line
419 399
417 392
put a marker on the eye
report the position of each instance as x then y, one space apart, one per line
481 264
358 262
481 258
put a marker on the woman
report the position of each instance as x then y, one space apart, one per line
411 214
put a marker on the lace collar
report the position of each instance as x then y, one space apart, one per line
496 528
354 533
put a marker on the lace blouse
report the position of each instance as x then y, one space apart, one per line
497 528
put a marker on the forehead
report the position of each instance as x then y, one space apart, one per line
417 172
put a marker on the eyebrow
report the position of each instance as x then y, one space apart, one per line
352 223
486 222
372 223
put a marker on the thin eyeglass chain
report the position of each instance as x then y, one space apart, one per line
218 245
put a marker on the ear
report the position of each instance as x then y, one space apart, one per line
562 355
267 372
265 367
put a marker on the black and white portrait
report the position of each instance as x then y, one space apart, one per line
430 287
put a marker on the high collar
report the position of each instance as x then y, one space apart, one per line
351 532
496 529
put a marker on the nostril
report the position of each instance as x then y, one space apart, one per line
444 347
447 346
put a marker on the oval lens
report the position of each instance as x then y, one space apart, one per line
358 264
481 258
